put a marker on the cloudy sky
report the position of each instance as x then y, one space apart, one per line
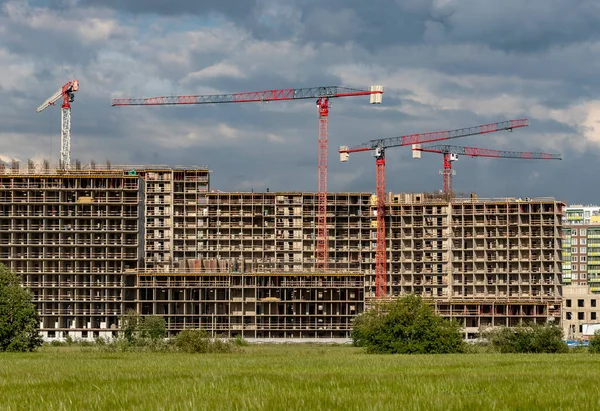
444 64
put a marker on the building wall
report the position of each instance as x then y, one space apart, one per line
72 237
581 247
580 307
484 263
92 244
581 215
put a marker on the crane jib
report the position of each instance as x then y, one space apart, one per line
249 97
383 143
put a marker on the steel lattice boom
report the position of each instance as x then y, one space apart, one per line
486 152
435 136
322 96
451 154
380 146
249 97
66 92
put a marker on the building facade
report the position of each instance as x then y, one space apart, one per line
580 310
581 247
95 242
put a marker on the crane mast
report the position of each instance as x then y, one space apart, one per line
322 235
66 92
451 153
322 96
378 146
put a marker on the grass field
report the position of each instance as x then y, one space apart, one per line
306 377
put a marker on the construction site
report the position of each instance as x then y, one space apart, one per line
94 241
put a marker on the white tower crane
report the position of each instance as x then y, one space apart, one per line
67 93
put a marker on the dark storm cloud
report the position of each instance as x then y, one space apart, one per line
237 9
445 64
512 25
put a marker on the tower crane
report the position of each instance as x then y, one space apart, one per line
322 96
451 154
379 146
67 93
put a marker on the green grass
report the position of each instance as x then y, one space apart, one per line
304 377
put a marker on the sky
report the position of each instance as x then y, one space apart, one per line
444 64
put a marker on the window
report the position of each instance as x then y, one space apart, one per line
582 267
574 250
574 231
582 241
582 250
568 316
583 258
583 276
574 241
593 303
574 258
582 232
581 316
593 316
575 267
580 303
574 276
569 303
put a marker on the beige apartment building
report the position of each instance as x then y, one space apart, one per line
94 241
580 310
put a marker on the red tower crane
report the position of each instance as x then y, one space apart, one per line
322 96
451 154
66 92
379 146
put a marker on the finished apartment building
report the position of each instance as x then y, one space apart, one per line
581 269
93 242
581 247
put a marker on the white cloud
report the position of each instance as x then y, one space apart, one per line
217 70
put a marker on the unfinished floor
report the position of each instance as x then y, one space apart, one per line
92 243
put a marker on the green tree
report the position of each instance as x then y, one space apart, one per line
130 323
527 338
19 324
407 325
136 328
153 327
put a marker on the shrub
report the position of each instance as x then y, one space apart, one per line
594 346
199 341
527 338
19 324
240 341
406 325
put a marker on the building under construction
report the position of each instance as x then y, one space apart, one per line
95 241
